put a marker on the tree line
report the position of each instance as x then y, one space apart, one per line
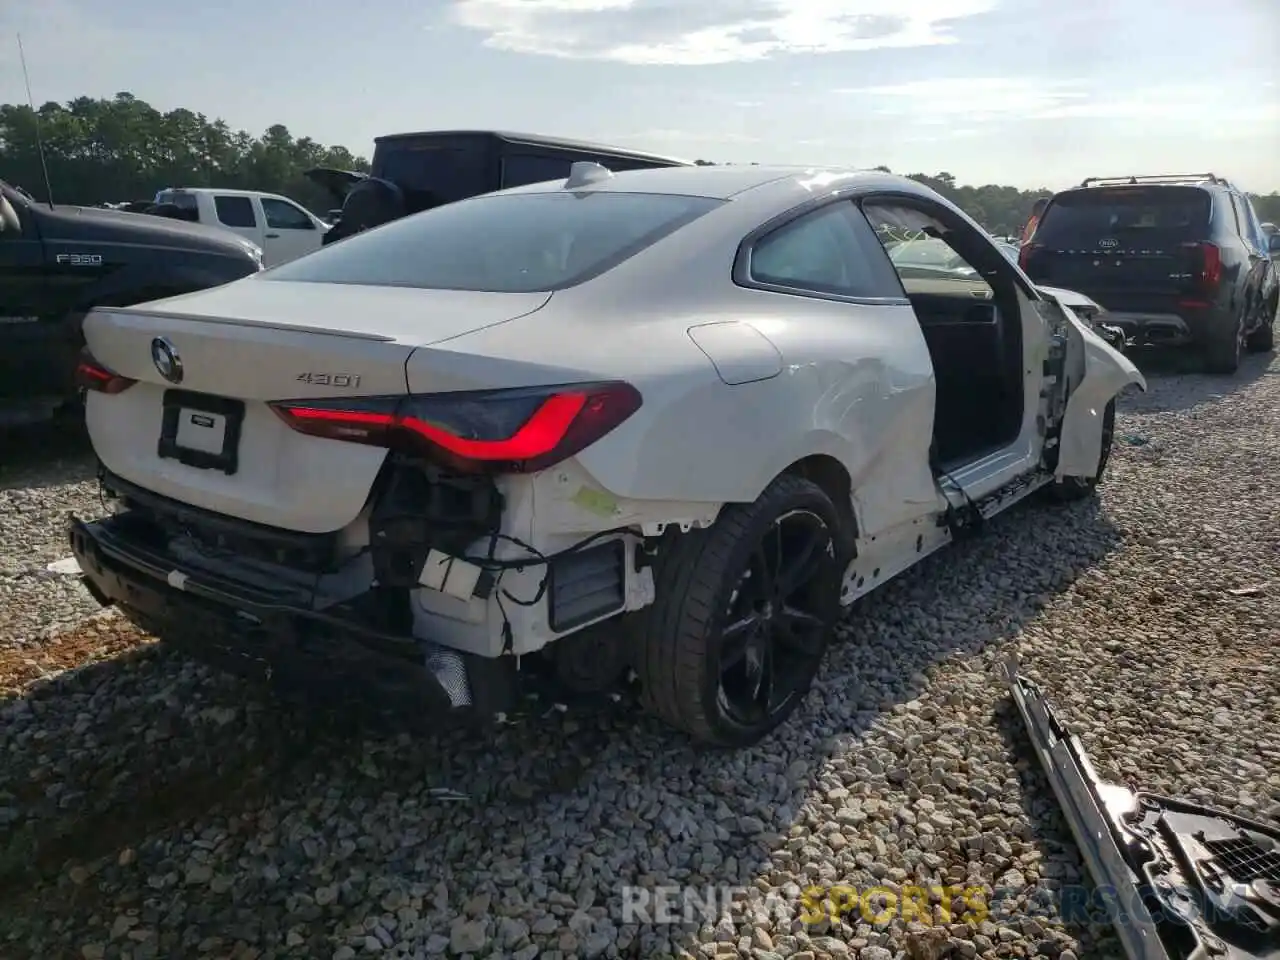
118 149
122 148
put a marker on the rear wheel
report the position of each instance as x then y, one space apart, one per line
1263 338
1077 488
742 616
1224 345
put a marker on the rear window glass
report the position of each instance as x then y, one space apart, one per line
235 211
1086 216
184 201
431 173
517 243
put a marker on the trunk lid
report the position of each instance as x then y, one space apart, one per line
337 183
243 345
1131 248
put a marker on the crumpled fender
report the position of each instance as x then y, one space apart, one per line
1107 371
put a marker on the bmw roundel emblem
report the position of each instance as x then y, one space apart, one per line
166 359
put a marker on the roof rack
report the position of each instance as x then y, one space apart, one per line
1157 178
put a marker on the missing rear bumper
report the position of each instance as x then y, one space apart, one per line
340 653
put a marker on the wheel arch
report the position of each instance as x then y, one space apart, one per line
833 478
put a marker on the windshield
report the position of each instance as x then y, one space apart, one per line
511 243
1085 216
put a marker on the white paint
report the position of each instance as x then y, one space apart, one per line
856 384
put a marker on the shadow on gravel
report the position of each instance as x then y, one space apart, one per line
1194 387
45 455
132 767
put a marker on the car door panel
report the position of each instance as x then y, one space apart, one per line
289 231
237 213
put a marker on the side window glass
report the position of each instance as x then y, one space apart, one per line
1236 218
281 215
235 211
921 253
831 250
519 170
1256 235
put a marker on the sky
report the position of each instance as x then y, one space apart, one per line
1025 92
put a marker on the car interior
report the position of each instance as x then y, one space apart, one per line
971 322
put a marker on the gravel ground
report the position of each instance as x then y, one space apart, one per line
43 476
151 808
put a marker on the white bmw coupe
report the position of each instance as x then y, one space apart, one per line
655 426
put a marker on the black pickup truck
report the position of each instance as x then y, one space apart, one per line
58 261
411 172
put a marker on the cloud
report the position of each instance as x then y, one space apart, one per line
668 135
976 100
63 40
682 32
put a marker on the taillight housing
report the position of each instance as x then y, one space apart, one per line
1208 277
491 431
92 375
1024 253
1211 267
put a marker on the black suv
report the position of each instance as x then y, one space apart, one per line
1174 259
58 262
411 172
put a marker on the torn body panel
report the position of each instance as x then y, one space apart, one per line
1105 372
1180 881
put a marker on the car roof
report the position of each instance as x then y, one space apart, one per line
534 139
725 182
224 192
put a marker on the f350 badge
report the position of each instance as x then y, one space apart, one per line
80 259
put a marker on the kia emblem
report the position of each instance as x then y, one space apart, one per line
1108 243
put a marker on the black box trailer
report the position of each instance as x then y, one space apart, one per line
411 172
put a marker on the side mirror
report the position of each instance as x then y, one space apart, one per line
1273 244
9 222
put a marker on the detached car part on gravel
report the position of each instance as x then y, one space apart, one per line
58 262
1179 881
663 422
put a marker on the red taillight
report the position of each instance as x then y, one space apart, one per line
1024 254
1211 271
91 375
1207 278
501 431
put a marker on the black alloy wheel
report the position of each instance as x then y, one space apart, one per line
742 614
774 630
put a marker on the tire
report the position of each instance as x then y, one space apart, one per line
1223 347
1070 489
695 678
1262 340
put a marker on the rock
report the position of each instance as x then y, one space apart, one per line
467 936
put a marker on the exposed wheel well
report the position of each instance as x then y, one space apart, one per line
830 474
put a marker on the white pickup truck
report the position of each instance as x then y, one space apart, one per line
285 230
